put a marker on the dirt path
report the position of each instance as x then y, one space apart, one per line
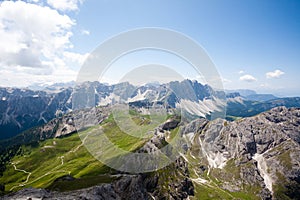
50 172
20 170
82 143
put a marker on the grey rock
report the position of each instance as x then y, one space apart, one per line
170 124
274 135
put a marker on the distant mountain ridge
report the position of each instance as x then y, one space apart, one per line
252 95
24 108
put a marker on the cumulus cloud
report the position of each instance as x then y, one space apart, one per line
241 72
275 74
65 5
42 33
22 78
74 58
247 78
36 46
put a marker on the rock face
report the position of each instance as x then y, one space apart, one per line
170 124
263 150
128 187
21 109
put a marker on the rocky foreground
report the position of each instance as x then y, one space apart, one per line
262 152
251 158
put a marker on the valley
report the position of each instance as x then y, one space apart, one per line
219 159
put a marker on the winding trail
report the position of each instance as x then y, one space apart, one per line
26 182
82 143
20 170
51 172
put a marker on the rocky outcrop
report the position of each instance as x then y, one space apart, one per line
127 187
170 124
264 150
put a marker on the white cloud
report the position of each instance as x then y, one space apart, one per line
41 33
275 74
36 47
241 72
85 32
22 78
74 58
65 5
247 78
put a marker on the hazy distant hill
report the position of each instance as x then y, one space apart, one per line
252 95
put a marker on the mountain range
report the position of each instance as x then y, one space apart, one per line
22 109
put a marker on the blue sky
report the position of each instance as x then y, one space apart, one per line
254 44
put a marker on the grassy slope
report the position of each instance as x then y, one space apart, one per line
45 164
39 166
